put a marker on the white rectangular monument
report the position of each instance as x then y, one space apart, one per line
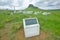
31 27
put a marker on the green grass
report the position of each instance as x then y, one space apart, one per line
49 23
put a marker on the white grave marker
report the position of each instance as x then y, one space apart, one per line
31 27
46 13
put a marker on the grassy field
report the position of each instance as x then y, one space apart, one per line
49 23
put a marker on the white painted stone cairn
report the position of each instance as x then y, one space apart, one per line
31 28
46 13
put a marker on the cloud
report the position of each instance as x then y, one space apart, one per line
23 4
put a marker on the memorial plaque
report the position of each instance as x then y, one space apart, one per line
31 27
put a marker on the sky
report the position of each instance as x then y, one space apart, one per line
22 4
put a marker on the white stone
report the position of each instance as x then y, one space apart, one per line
31 27
27 12
36 13
46 13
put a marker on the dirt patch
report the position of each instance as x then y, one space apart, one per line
3 35
7 32
20 36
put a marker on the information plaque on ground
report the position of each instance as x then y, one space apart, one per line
31 27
